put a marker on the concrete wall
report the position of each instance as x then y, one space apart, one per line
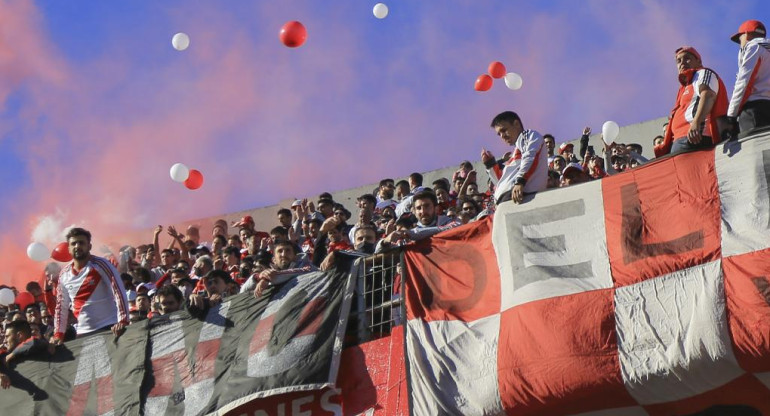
640 133
266 218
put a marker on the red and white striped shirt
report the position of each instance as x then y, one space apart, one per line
95 294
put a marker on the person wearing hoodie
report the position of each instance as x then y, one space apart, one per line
750 102
701 99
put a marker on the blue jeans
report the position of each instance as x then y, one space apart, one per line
681 145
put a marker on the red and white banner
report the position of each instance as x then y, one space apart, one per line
647 292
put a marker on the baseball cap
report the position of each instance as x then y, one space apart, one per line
296 203
201 249
564 146
385 204
688 49
749 26
246 221
144 287
571 167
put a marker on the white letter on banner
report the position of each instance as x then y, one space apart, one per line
168 353
93 365
552 246
260 362
296 406
328 405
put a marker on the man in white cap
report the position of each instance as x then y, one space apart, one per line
750 103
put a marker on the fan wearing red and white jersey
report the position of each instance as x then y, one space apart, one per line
700 101
527 169
90 287
750 102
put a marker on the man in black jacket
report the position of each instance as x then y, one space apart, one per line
19 345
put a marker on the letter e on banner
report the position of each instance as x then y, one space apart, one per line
554 245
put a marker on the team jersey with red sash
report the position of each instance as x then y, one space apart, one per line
529 164
687 100
753 79
95 294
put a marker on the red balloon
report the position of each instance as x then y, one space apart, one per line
195 180
61 252
497 69
24 299
483 83
293 34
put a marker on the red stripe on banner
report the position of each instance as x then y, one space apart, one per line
164 371
262 334
743 396
747 289
662 217
558 355
80 394
454 275
311 318
205 358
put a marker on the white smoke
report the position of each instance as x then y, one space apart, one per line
50 229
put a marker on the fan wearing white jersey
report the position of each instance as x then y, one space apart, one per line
751 95
90 287
527 169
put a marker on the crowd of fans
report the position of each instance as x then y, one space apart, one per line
138 283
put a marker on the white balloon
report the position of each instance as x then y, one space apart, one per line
179 172
180 41
610 131
38 251
380 10
6 296
513 80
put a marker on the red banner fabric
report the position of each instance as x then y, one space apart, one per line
647 292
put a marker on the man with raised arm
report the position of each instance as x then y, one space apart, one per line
526 171
89 286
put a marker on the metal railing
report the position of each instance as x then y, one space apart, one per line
377 306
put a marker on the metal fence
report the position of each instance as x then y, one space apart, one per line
377 306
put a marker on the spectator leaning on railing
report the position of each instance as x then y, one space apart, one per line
526 171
